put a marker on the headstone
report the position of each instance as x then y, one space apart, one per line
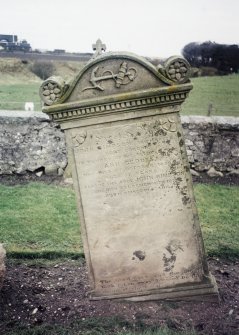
139 221
2 264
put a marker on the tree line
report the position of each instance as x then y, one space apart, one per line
223 57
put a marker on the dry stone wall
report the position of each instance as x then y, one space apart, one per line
212 142
30 142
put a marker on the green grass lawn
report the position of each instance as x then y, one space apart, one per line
220 91
13 97
39 220
218 208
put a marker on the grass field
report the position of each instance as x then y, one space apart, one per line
14 96
38 220
221 92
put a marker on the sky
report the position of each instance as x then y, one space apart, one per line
154 28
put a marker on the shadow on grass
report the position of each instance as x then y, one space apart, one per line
48 255
224 252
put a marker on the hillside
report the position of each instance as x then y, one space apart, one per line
18 84
14 70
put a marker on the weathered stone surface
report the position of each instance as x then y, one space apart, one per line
60 172
212 141
214 173
132 184
30 141
138 217
234 172
2 264
51 169
68 181
39 174
194 173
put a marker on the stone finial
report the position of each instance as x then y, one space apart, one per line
98 47
2 264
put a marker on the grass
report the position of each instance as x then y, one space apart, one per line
218 208
40 221
14 96
220 91
99 326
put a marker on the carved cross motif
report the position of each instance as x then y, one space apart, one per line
98 47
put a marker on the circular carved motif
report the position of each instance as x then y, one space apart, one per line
177 69
52 90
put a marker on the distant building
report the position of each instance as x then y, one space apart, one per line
10 43
59 51
8 38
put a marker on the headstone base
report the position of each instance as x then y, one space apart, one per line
196 292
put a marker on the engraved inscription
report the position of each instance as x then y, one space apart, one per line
147 282
135 197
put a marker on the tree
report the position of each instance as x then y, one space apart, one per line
43 69
223 57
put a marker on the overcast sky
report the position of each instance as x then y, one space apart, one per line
146 27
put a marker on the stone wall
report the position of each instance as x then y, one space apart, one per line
30 142
212 142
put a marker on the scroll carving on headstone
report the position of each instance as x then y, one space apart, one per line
138 217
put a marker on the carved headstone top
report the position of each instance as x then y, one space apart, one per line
116 74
